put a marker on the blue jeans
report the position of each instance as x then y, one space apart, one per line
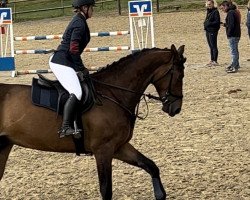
233 43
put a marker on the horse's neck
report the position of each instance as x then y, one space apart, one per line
134 75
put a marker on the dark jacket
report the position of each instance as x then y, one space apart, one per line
212 21
75 39
233 23
248 18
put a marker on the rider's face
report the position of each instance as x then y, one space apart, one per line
88 11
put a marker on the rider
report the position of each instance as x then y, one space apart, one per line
66 61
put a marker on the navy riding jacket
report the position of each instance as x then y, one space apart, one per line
75 39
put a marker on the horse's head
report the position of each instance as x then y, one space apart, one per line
168 81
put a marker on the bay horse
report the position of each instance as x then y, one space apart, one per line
107 128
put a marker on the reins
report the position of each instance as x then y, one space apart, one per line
150 96
144 95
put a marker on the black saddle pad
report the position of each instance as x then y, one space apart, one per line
50 98
44 96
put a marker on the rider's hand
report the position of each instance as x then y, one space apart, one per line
83 74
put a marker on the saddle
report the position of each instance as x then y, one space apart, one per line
50 94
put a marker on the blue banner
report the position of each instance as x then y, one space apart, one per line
7 64
140 8
5 16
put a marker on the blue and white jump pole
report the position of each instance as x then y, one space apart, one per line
52 37
141 34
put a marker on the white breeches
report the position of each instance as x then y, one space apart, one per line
68 78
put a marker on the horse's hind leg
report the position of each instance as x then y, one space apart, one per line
127 153
5 148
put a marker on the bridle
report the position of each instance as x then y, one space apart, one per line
169 97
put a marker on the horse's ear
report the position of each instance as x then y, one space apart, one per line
181 49
173 48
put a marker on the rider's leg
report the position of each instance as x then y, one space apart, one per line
69 80
69 116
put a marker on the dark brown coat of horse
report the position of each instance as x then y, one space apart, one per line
108 128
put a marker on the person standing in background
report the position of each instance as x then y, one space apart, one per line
233 31
248 23
212 26
248 18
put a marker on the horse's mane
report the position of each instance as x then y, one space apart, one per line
128 58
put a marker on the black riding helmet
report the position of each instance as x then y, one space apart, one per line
79 3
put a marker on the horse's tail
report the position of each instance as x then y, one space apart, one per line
4 141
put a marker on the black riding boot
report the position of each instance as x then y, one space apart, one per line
68 116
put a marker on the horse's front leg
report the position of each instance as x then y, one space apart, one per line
127 153
5 149
104 167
